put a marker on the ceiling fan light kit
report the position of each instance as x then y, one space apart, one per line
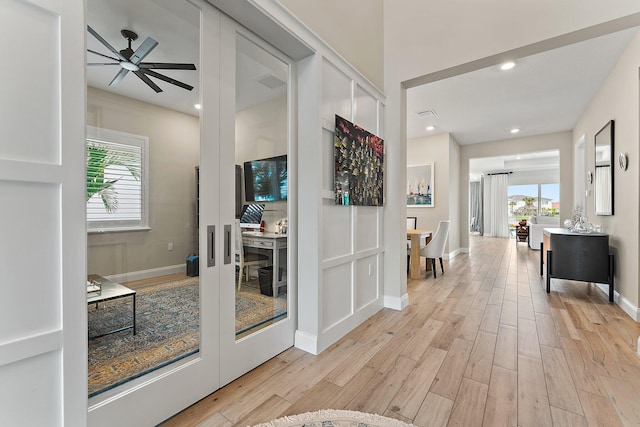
129 60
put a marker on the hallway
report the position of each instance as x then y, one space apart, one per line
481 345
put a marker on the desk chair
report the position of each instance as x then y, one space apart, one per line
243 262
435 248
412 224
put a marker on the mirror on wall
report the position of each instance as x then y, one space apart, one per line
603 182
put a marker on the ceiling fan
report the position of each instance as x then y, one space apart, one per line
130 60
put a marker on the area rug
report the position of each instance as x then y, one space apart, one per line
335 418
167 330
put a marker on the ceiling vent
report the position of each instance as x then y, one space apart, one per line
271 81
426 113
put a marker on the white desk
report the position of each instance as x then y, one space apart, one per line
272 242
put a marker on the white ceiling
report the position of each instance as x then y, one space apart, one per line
544 93
175 26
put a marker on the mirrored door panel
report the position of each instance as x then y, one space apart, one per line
261 190
143 159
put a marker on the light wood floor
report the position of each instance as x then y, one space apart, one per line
483 345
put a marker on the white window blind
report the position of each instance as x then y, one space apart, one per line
117 181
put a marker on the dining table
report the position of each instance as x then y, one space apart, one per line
416 237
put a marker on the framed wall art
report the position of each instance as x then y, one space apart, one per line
359 165
420 188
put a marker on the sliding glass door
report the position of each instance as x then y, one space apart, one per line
189 293
153 197
256 286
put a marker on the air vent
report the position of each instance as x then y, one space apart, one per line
271 81
426 113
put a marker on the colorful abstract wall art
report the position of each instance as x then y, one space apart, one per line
359 165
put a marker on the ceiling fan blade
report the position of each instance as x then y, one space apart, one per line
166 66
148 81
103 55
143 50
166 79
118 78
107 45
102 63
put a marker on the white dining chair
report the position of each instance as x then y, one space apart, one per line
435 248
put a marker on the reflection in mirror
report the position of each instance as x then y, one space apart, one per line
261 125
603 182
142 152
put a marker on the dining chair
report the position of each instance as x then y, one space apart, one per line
412 224
435 248
244 261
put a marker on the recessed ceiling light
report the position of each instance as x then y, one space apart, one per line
198 106
507 65
430 128
515 130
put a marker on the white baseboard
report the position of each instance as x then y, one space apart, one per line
306 342
455 253
396 303
625 304
147 274
464 250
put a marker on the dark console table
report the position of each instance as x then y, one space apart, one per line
576 256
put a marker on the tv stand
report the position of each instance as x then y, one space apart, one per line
577 256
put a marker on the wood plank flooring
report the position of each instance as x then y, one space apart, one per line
481 345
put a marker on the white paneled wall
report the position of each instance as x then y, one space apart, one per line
43 349
348 284
336 93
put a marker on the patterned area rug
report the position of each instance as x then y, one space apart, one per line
335 418
167 323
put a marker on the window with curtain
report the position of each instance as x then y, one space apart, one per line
533 199
116 181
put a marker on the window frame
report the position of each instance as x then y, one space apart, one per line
539 196
101 135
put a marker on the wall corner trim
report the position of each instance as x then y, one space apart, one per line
396 303
306 342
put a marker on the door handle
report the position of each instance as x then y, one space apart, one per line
211 245
227 244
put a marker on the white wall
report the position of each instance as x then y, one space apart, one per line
561 141
444 152
454 197
43 335
261 131
451 41
449 34
341 276
174 152
617 99
353 28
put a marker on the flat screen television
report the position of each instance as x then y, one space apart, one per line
265 180
251 215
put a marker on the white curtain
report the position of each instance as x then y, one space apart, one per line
603 189
496 205
486 206
475 207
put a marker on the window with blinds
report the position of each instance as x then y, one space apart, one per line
117 181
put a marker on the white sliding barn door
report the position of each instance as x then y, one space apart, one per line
42 220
